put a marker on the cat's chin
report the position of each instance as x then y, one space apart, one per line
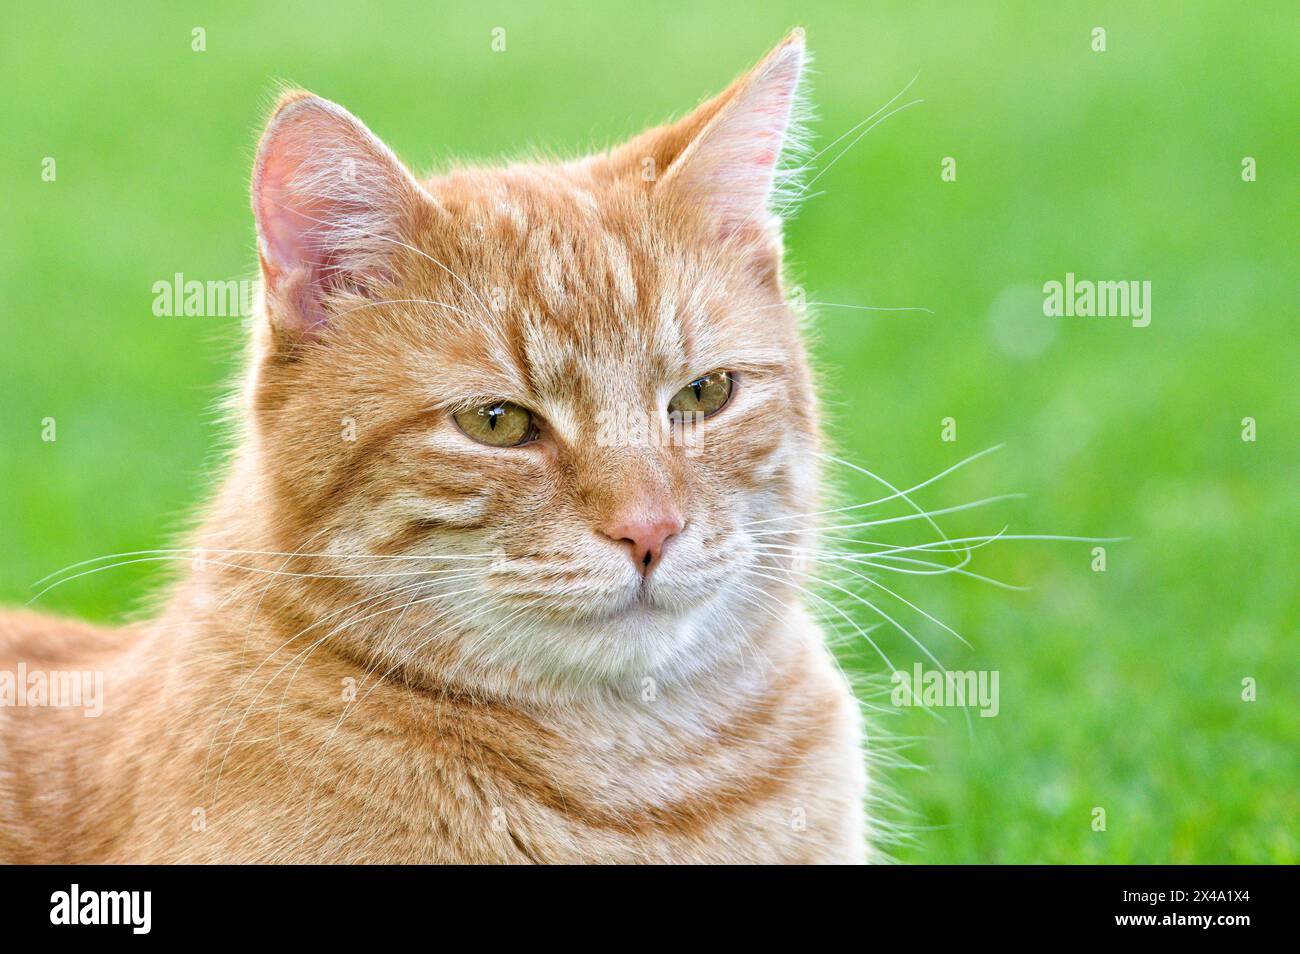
622 647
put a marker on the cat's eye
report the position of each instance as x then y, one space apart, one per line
704 396
499 425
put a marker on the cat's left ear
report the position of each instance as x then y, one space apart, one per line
333 207
730 149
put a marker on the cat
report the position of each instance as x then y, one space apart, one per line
483 582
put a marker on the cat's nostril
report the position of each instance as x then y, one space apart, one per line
644 536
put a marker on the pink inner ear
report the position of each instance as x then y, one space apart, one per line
731 168
282 226
327 197
292 247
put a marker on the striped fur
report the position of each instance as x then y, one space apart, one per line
395 644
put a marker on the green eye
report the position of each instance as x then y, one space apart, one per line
704 396
497 425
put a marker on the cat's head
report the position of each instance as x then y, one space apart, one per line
569 400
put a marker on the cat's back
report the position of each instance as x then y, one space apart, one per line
39 637
54 736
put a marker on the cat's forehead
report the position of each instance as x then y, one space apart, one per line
571 290
578 276
553 235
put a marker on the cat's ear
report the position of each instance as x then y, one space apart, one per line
727 155
332 205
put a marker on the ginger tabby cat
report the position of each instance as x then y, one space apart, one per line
502 569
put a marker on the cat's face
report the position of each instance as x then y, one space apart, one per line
570 400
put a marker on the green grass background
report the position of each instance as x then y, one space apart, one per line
1119 690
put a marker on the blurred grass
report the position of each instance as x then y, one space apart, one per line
1120 689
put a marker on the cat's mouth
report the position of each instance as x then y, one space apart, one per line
614 592
655 599
639 602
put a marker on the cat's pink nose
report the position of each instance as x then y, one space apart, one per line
644 533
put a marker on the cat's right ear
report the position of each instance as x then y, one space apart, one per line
332 205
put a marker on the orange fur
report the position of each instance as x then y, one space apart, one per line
397 645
